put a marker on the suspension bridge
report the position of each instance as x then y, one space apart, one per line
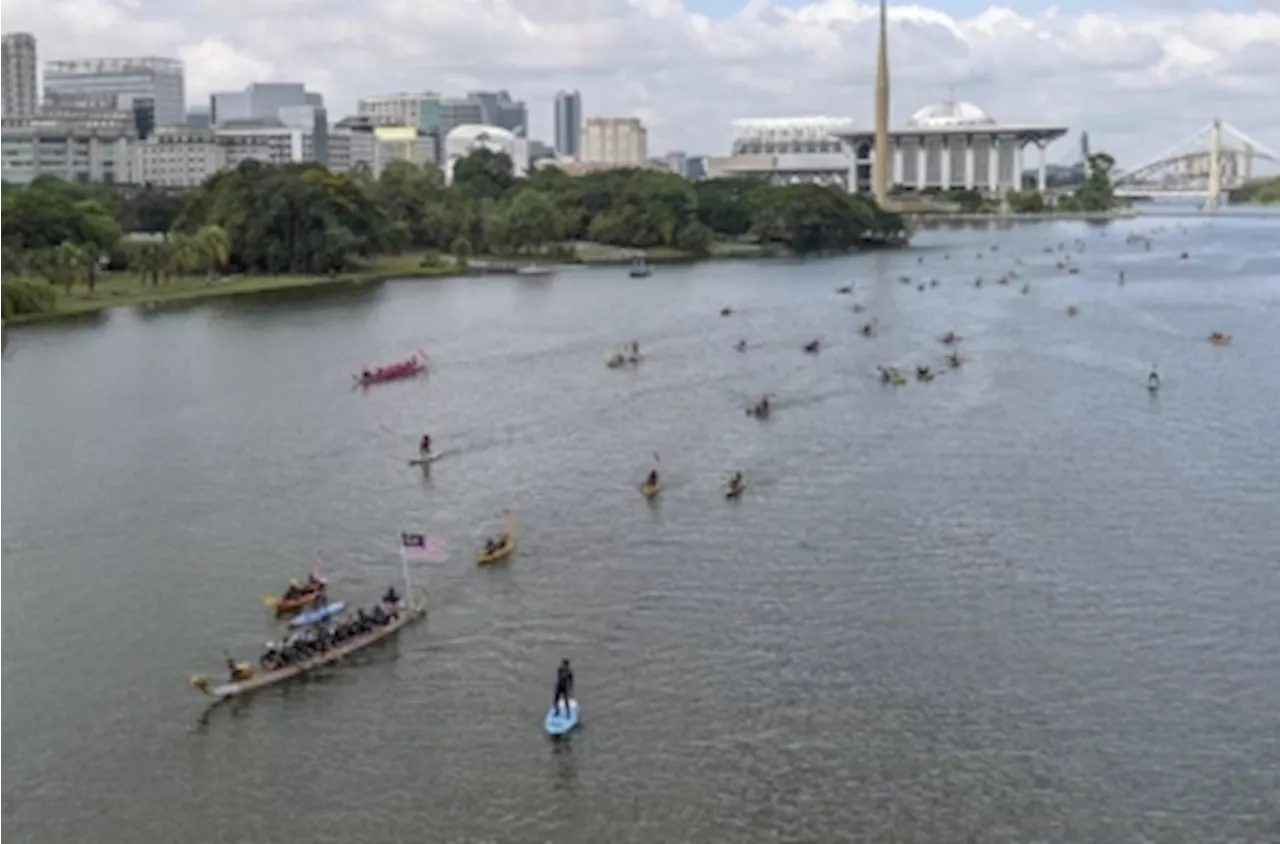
1217 159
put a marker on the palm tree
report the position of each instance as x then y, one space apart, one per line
68 264
215 246
186 257
150 261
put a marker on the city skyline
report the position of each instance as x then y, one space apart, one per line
1134 77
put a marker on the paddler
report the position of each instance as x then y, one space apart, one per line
425 445
653 479
564 684
735 482
1153 380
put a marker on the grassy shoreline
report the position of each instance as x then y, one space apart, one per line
122 290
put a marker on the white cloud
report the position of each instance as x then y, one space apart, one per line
1137 75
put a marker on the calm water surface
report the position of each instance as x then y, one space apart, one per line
1025 602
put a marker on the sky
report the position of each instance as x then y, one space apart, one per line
1138 75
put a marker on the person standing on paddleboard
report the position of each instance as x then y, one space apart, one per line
564 686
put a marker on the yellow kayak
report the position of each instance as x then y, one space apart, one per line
650 490
506 549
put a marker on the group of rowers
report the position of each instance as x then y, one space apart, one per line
394 370
317 640
313 585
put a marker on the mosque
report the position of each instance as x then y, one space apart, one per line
949 144
954 144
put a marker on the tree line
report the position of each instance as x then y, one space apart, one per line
303 219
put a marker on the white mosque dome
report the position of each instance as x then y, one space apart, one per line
946 114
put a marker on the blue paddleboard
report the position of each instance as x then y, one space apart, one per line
302 619
560 723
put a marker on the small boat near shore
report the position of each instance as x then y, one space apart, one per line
252 681
534 270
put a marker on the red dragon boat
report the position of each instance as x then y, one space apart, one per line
408 368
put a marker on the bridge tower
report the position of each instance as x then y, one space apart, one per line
1209 164
1213 193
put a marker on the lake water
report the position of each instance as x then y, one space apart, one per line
1026 602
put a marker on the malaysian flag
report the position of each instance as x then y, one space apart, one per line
416 546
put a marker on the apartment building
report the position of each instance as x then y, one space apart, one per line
618 141
179 157
21 95
77 152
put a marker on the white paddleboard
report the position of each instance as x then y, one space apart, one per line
562 722
428 460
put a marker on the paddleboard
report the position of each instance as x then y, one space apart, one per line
428 460
328 611
558 724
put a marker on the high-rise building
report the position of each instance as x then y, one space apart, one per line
459 111
285 106
498 109
20 88
420 110
260 101
568 124
125 80
618 141
678 162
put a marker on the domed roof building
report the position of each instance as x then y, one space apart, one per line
950 114
469 137
953 144
944 146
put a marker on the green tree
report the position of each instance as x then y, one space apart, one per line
1025 201
809 219
531 221
483 174
726 205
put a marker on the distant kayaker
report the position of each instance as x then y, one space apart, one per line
1153 380
564 686
653 479
425 445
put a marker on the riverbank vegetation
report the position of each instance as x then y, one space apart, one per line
252 226
1094 195
1258 192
